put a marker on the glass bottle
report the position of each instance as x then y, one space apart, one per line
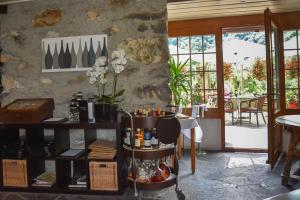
166 170
147 139
141 138
137 142
154 139
158 175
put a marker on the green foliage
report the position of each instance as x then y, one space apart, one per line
291 96
255 37
251 85
179 82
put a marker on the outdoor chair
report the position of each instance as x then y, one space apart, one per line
228 107
253 106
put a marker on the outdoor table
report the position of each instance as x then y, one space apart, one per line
292 122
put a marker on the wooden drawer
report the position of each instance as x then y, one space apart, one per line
103 176
14 173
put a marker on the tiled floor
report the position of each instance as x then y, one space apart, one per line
219 176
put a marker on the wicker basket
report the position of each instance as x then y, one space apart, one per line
103 176
14 173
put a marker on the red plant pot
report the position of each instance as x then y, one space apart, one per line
293 105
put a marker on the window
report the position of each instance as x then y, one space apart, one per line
291 67
200 50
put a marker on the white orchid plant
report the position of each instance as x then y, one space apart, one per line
97 75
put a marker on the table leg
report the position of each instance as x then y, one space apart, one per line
193 151
289 159
179 147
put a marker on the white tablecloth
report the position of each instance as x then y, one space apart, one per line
191 122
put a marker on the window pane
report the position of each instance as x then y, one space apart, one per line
173 45
211 98
197 64
183 45
196 44
290 39
210 80
291 61
197 96
197 80
210 62
209 43
292 99
291 78
183 59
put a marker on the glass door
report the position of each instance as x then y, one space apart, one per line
273 83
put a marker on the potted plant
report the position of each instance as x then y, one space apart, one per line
291 98
179 82
107 104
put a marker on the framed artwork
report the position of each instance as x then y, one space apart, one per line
76 53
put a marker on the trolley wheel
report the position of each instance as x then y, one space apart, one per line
180 195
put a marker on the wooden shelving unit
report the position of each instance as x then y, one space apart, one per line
34 133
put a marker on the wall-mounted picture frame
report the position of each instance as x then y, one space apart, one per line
76 53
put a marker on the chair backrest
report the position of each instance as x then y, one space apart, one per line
260 102
187 111
168 130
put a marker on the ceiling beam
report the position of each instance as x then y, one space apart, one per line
172 1
3 9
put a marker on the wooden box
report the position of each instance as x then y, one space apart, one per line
14 173
27 110
103 176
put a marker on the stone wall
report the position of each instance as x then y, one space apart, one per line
137 26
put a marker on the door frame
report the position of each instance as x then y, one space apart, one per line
236 30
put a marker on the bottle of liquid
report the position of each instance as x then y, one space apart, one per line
127 137
147 139
137 141
158 175
166 170
154 139
142 138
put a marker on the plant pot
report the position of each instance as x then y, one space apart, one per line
106 112
293 105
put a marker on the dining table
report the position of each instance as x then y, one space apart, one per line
292 124
192 130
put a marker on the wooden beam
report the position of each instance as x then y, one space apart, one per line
3 9
172 1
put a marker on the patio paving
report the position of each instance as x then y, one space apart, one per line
246 135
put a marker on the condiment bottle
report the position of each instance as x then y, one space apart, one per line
137 142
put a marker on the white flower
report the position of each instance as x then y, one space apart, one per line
101 61
119 53
92 80
118 68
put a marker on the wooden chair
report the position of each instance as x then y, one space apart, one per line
253 106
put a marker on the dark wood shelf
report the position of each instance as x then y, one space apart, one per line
63 125
154 185
149 154
36 164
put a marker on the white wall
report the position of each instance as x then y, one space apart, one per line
211 135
